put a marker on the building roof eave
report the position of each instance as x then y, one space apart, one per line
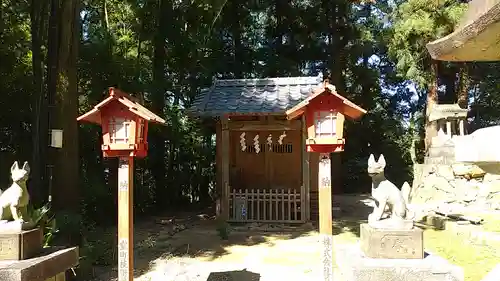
476 39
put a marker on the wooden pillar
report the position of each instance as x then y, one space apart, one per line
225 143
325 214
305 188
461 127
125 219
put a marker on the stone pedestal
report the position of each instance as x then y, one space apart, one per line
391 243
49 265
20 245
355 266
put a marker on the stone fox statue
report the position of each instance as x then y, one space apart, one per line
14 200
386 193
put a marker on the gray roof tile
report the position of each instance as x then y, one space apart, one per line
254 96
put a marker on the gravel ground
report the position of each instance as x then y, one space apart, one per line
184 269
264 252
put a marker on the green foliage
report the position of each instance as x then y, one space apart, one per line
415 23
374 53
42 217
207 39
99 247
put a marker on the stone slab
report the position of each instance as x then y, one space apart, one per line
390 223
355 266
21 245
392 243
49 263
7 227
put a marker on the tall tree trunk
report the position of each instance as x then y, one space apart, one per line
291 53
237 44
156 135
463 86
38 187
339 37
67 103
277 36
107 35
52 74
1 18
63 48
336 14
328 13
105 81
432 100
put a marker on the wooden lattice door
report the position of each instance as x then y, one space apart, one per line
265 183
284 162
272 165
248 161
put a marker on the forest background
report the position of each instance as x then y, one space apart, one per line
58 57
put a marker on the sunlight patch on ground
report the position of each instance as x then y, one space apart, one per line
491 222
300 257
476 259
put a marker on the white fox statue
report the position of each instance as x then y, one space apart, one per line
388 196
15 199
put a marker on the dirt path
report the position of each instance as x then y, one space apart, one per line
196 252
189 248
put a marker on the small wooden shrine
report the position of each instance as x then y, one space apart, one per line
264 173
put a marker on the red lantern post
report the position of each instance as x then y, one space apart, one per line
124 125
324 112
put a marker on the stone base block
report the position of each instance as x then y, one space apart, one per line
15 226
50 264
21 245
354 266
390 223
392 243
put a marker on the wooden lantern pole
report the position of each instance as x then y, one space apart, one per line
118 104
325 214
126 219
324 99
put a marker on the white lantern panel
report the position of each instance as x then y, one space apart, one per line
119 128
325 123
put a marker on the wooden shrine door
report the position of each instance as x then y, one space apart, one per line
268 166
248 170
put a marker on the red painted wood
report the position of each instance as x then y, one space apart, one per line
323 102
121 105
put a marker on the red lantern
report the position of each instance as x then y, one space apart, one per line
324 114
124 124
